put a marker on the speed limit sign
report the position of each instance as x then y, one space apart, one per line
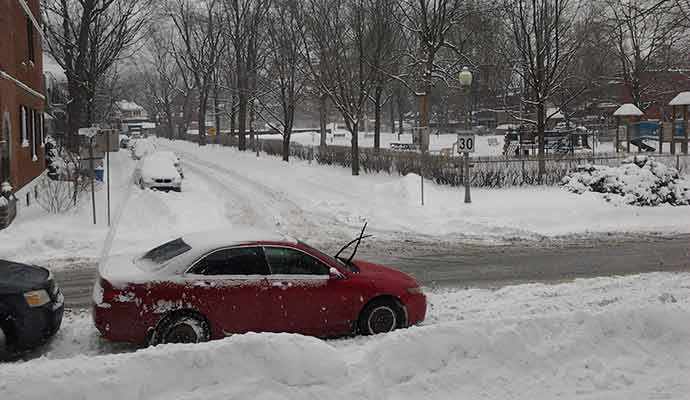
465 143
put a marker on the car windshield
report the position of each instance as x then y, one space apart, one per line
350 267
156 257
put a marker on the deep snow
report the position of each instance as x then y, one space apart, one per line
603 338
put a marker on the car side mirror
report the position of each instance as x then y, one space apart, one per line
335 274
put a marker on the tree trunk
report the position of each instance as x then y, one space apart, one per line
252 138
541 127
242 122
216 109
232 116
392 115
323 120
377 118
354 151
286 145
401 118
202 122
171 120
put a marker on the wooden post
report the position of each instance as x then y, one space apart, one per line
627 135
618 124
684 147
673 129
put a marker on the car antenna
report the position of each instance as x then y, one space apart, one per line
357 239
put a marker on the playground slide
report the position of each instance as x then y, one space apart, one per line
642 145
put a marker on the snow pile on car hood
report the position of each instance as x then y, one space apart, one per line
158 167
640 180
613 354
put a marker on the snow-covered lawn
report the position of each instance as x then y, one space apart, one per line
603 338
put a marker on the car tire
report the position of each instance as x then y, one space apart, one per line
380 316
182 328
141 184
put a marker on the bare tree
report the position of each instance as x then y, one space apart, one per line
336 35
243 22
383 55
86 38
642 32
163 79
544 45
285 83
429 22
198 27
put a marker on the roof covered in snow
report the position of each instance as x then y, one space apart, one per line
681 99
628 110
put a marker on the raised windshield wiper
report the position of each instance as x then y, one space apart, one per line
357 240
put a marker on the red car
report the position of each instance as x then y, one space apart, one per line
196 288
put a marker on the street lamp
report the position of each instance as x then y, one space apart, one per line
465 78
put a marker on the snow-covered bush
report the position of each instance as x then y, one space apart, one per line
640 180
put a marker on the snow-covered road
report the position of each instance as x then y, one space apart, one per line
602 338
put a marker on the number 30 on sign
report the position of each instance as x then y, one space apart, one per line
465 143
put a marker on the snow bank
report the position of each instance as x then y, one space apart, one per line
639 181
603 338
607 355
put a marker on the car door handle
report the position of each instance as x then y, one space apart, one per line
281 284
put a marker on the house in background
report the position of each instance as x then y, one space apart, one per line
22 99
129 117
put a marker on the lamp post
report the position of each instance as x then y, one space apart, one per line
465 78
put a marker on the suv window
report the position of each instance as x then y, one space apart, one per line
284 261
234 261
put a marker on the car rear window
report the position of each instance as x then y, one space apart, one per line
167 251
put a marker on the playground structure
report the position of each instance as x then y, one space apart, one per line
640 133
523 141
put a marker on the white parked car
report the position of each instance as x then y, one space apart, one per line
174 158
158 172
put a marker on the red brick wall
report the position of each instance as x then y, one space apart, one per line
14 60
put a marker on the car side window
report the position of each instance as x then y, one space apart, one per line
234 261
284 261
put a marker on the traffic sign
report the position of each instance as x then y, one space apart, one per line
466 143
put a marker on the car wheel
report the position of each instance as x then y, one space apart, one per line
141 184
380 316
182 328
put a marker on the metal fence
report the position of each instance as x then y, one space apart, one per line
492 172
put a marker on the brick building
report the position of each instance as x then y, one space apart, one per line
21 93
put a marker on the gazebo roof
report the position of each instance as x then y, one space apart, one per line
681 99
628 110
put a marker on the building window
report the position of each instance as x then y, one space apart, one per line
32 138
30 39
24 128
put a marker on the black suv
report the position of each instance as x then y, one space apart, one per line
31 307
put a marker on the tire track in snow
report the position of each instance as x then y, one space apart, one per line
287 216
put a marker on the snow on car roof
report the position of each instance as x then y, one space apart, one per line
209 240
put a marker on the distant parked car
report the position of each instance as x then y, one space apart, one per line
158 172
210 285
124 142
31 307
